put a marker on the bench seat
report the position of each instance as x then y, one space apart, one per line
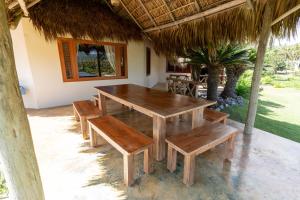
84 110
125 139
215 116
197 141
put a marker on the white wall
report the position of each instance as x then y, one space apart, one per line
23 67
39 70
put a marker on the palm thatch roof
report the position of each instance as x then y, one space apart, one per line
172 25
81 19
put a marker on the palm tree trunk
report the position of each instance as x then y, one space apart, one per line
233 74
213 82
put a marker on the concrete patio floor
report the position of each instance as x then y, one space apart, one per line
264 166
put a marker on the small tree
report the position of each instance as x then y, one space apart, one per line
242 59
215 60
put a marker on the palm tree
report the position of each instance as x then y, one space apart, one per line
215 61
244 58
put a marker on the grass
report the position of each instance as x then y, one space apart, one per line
282 81
278 112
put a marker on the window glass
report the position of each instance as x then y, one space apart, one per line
95 60
67 59
83 60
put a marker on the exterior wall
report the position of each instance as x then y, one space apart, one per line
23 67
39 70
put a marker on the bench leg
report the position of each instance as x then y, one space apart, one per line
224 121
102 104
83 124
229 148
75 114
93 137
148 154
189 169
172 159
128 169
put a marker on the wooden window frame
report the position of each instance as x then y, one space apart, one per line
74 65
148 61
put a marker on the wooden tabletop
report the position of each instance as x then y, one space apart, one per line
163 104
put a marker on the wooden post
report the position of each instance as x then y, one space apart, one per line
263 42
16 147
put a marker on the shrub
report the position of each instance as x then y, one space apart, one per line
244 84
267 80
3 188
278 85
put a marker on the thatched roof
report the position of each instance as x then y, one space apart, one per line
176 24
171 24
80 19
91 18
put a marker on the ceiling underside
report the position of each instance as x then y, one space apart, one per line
153 15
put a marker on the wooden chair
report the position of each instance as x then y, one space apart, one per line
125 139
197 141
84 110
215 116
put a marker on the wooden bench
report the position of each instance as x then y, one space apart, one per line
125 139
196 142
215 116
95 100
84 110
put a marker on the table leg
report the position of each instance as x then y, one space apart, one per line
159 135
102 103
197 118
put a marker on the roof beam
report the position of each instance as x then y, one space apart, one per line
146 10
121 1
12 5
286 14
23 7
212 11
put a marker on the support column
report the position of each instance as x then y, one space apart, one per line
16 147
263 42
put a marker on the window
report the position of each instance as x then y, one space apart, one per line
148 61
83 60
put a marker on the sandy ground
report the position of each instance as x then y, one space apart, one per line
264 166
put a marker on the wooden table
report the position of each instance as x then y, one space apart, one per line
157 104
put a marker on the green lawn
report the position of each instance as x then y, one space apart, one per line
278 112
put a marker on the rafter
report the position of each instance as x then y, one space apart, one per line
23 7
146 10
121 1
172 11
169 10
286 14
12 5
197 5
212 11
